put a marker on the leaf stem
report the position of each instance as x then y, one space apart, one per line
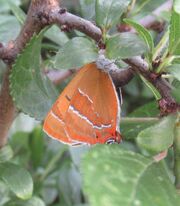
139 119
161 45
167 76
166 61
131 6
52 163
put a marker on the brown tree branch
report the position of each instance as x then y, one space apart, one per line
37 19
7 109
47 12
120 77
69 21
141 66
57 76
167 104
33 24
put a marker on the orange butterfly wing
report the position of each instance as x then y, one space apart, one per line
54 124
93 113
87 109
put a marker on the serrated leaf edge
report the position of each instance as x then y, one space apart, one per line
35 36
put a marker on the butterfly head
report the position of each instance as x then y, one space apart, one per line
116 139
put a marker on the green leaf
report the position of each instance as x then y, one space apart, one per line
9 28
49 191
18 124
17 11
32 92
53 162
69 185
88 8
108 13
152 88
175 70
145 7
81 204
162 46
113 176
75 53
176 150
146 92
34 201
6 153
130 130
20 141
77 153
158 137
4 193
147 110
174 40
125 45
17 179
36 144
56 35
176 6
5 6
132 88
176 94
175 91
20 144
143 32
145 35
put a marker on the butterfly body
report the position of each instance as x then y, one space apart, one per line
87 111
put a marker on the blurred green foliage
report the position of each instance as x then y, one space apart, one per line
36 170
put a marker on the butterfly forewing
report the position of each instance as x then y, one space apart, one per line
54 124
55 128
92 115
86 111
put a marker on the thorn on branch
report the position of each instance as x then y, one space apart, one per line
5 51
154 76
43 17
62 10
157 26
101 44
156 63
168 107
66 28
123 28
